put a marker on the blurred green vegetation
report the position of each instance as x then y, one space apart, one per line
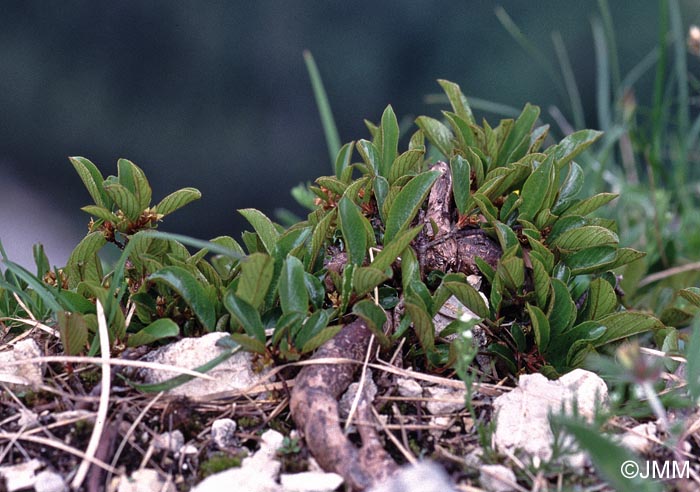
216 95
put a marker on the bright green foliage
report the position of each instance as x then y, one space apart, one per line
552 296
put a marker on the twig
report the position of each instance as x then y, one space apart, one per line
58 445
670 272
104 400
113 362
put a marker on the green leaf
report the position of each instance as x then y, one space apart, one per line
625 324
437 133
517 142
375 318
564 224
320 234
541 281
562 309
534 189
316 290
585 237
457 100
386 257
177 200
83 263
288 322
591 259
343 159
353 229
292 289
93 181
191 291
313 325
133 178
265 229
246 315
691 294
73 331
381 190
407 202
369 153
254 281
572 184
469 296
461 182
572 145
125 200
367 278
601 299
322 337
585 207
540 327
100 213
158 330
693 364
512 272
390 140
422 324
406 164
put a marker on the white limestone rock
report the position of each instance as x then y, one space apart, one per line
20 476
426 476
223 433
310 482
257 473
497 478
169 441
409 388
48 481
522 422
146 480
29 374
235 373
444 401
640 439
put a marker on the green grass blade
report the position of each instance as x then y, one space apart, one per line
642 67
42 290
609 30
569 80
680 67
324 107
658 104
511 27
602 75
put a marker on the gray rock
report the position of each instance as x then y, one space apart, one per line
223 433
233 374
423 477
29 374
409 388
497 478
522 422
345 403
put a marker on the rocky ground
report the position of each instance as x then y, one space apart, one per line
230 428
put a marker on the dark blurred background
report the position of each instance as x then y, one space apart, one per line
215 94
